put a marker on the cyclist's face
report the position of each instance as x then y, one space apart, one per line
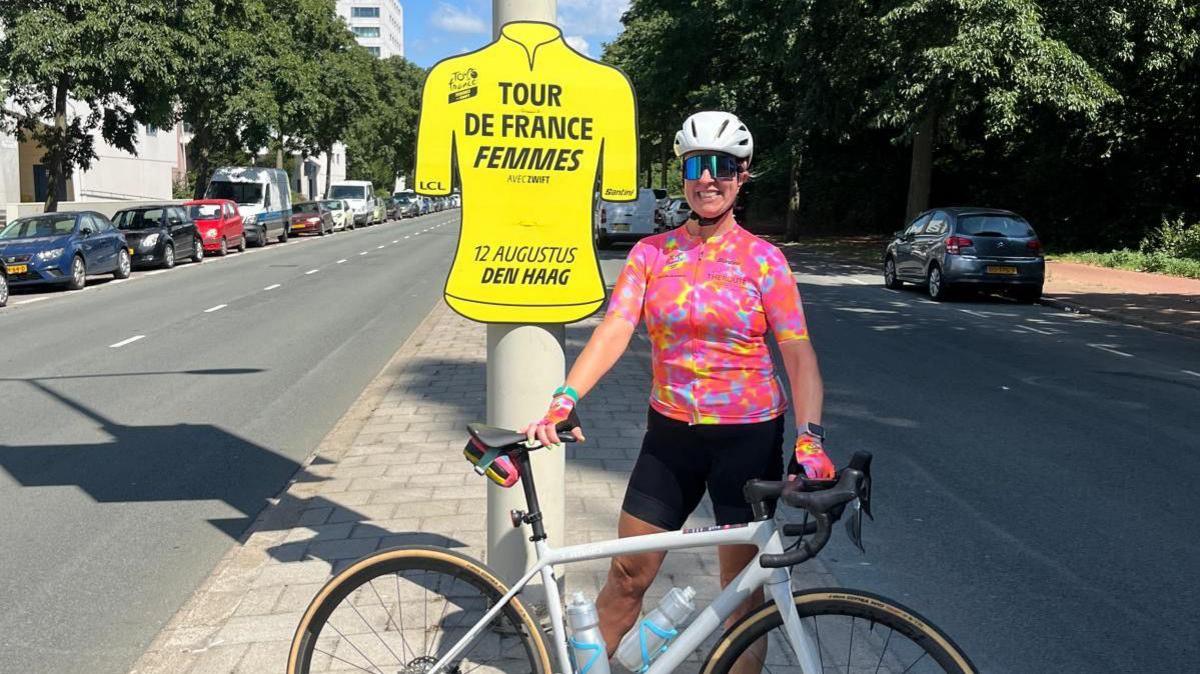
710 196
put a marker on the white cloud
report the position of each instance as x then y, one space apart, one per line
579 44
452 19
591 16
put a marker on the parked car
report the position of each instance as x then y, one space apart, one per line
339 210
426 205
949 249
158 235
394 210
661 199
360 194
219 223
380 215
62 248
407 204
3 285
676 213
263 198
626 221
311 216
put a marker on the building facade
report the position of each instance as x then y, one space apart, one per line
378 25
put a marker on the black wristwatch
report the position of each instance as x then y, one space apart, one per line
814 430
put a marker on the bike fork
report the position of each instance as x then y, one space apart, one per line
780 587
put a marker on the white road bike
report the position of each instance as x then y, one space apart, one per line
426 609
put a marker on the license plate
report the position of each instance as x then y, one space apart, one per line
1005 271
131 251
620 227
297 226
17 268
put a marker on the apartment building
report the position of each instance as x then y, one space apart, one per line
377 24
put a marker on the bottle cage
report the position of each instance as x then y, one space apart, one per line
586 647
667 635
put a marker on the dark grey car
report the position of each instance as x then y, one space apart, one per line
982 249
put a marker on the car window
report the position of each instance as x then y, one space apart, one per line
918 224
994 224
179 214
86 222
937 224
204 211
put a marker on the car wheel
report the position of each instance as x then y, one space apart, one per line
197 250
124 264
890 280
321 230
169 257
1028 295
3 290
283 236
241 247
78 274
939 290
224 250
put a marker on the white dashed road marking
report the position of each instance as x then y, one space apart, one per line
1194 374
342 261
32 300
123 342
216 308
1109 349
378 247
272 286
311 271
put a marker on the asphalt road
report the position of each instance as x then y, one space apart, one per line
144 423
1035 473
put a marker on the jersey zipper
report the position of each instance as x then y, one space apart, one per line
692 340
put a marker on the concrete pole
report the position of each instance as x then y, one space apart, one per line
525 363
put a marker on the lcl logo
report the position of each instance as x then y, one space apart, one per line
431 185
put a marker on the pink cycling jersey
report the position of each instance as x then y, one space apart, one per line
707 305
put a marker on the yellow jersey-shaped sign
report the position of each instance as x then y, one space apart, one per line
529 123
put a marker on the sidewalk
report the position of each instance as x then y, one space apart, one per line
392 473
1165 303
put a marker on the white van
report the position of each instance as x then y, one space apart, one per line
627 220
360 194
263 197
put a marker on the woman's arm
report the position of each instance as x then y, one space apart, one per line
804 376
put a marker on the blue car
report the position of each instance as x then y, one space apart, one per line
62 248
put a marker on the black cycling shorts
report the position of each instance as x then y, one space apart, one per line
679 461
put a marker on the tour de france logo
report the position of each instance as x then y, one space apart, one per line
464 84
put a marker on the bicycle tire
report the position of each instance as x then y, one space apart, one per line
393 561
841 603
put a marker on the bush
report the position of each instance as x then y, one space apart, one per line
1174 239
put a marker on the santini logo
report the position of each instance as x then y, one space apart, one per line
617 193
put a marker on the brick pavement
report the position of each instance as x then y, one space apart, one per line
392 473
1165 303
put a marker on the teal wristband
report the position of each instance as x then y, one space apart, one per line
567 391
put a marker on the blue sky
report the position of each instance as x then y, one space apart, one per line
435 29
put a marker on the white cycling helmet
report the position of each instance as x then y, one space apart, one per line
717 132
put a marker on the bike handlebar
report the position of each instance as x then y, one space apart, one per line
825 500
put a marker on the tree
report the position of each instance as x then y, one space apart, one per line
381 142
70 68
344 93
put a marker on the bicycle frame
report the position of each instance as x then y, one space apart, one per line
763 534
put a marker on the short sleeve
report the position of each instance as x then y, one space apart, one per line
619 172
435 138
781 298
630 291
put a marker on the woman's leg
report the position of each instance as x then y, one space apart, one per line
620 601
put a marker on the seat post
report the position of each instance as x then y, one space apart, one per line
534 517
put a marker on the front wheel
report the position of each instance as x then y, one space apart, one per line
283 236
400 610
168 257
890 279
852 631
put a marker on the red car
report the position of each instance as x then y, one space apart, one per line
219 224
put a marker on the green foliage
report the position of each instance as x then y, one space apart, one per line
380 144
1138 261
68 69
1174 238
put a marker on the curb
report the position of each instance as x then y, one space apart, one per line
280 513
1116 317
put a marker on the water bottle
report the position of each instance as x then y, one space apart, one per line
587 644
651 636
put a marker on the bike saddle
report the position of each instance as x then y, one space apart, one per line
493 437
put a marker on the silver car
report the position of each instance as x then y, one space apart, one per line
954 249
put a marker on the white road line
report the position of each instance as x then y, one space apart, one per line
216 308
1037 330
858 281
32 300
1105 347
406 237
156 272
395 240
342 261
1194 374
364 252
118 281
973 313
272 286
123 342
311 271
379 247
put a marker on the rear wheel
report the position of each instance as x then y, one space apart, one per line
78 274
3 290
400 610
939 291
197 250
261 235
890 279
124 264
224 249
283 236
241 247
852 631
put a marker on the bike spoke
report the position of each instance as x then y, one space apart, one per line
887 642
914 663
399 628
356 648
850 650
331 655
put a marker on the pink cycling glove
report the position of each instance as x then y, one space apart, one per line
810 455
560 410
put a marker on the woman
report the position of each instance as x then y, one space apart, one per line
709 291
